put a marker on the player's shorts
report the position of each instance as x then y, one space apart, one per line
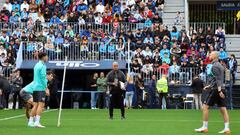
213 98
39 96
25 95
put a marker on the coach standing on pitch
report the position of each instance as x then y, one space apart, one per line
114 80
216 95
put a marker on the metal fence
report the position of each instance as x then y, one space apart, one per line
182 76
76 27
76 51
205 25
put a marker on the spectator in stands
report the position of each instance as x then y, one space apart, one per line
148 23
232 66
14 18
81 21
4 37
54 20
93 88
223 55
157 19
8 5
15 5
156 61
174 34
220 44
130 90
183 38
3 17
166 59
163 69
163 51
17 82
120 48
69 31
24 5
147 52
24 15
59 40
220 33
98 19
147 68
102 87
82 6
178 19
175 50
174 72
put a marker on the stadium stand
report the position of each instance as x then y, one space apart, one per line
154 32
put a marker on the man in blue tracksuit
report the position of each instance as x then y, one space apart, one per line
152 91
40 88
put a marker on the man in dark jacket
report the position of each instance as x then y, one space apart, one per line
17 82
115 78
4 92
197 88
152 91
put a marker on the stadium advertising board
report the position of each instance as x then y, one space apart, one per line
228 5
76 65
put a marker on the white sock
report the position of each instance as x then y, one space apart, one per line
37 119
226 126
205 124
30 120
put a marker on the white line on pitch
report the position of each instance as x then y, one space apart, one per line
19 116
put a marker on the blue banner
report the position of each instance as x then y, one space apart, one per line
228 5
76 65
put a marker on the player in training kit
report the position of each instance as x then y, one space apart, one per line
26 95
39 92
27 92
216 95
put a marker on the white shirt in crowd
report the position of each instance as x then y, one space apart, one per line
8 6
24 6
5 39
98 20
130 2
3 51
100 8
81 21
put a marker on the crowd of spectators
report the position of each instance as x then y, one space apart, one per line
84 25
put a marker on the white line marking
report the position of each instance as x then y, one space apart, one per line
19 116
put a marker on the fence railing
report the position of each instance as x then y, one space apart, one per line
205 25
77 27
76 51
181 76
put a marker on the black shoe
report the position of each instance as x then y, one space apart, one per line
123 118
110 118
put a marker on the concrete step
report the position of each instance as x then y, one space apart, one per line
174 2
173 9
170 15
237 83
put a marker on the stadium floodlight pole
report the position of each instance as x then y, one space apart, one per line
61 100
129 58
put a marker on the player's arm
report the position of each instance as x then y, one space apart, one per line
1 92
216 71
43 76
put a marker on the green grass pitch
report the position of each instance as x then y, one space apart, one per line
138 122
